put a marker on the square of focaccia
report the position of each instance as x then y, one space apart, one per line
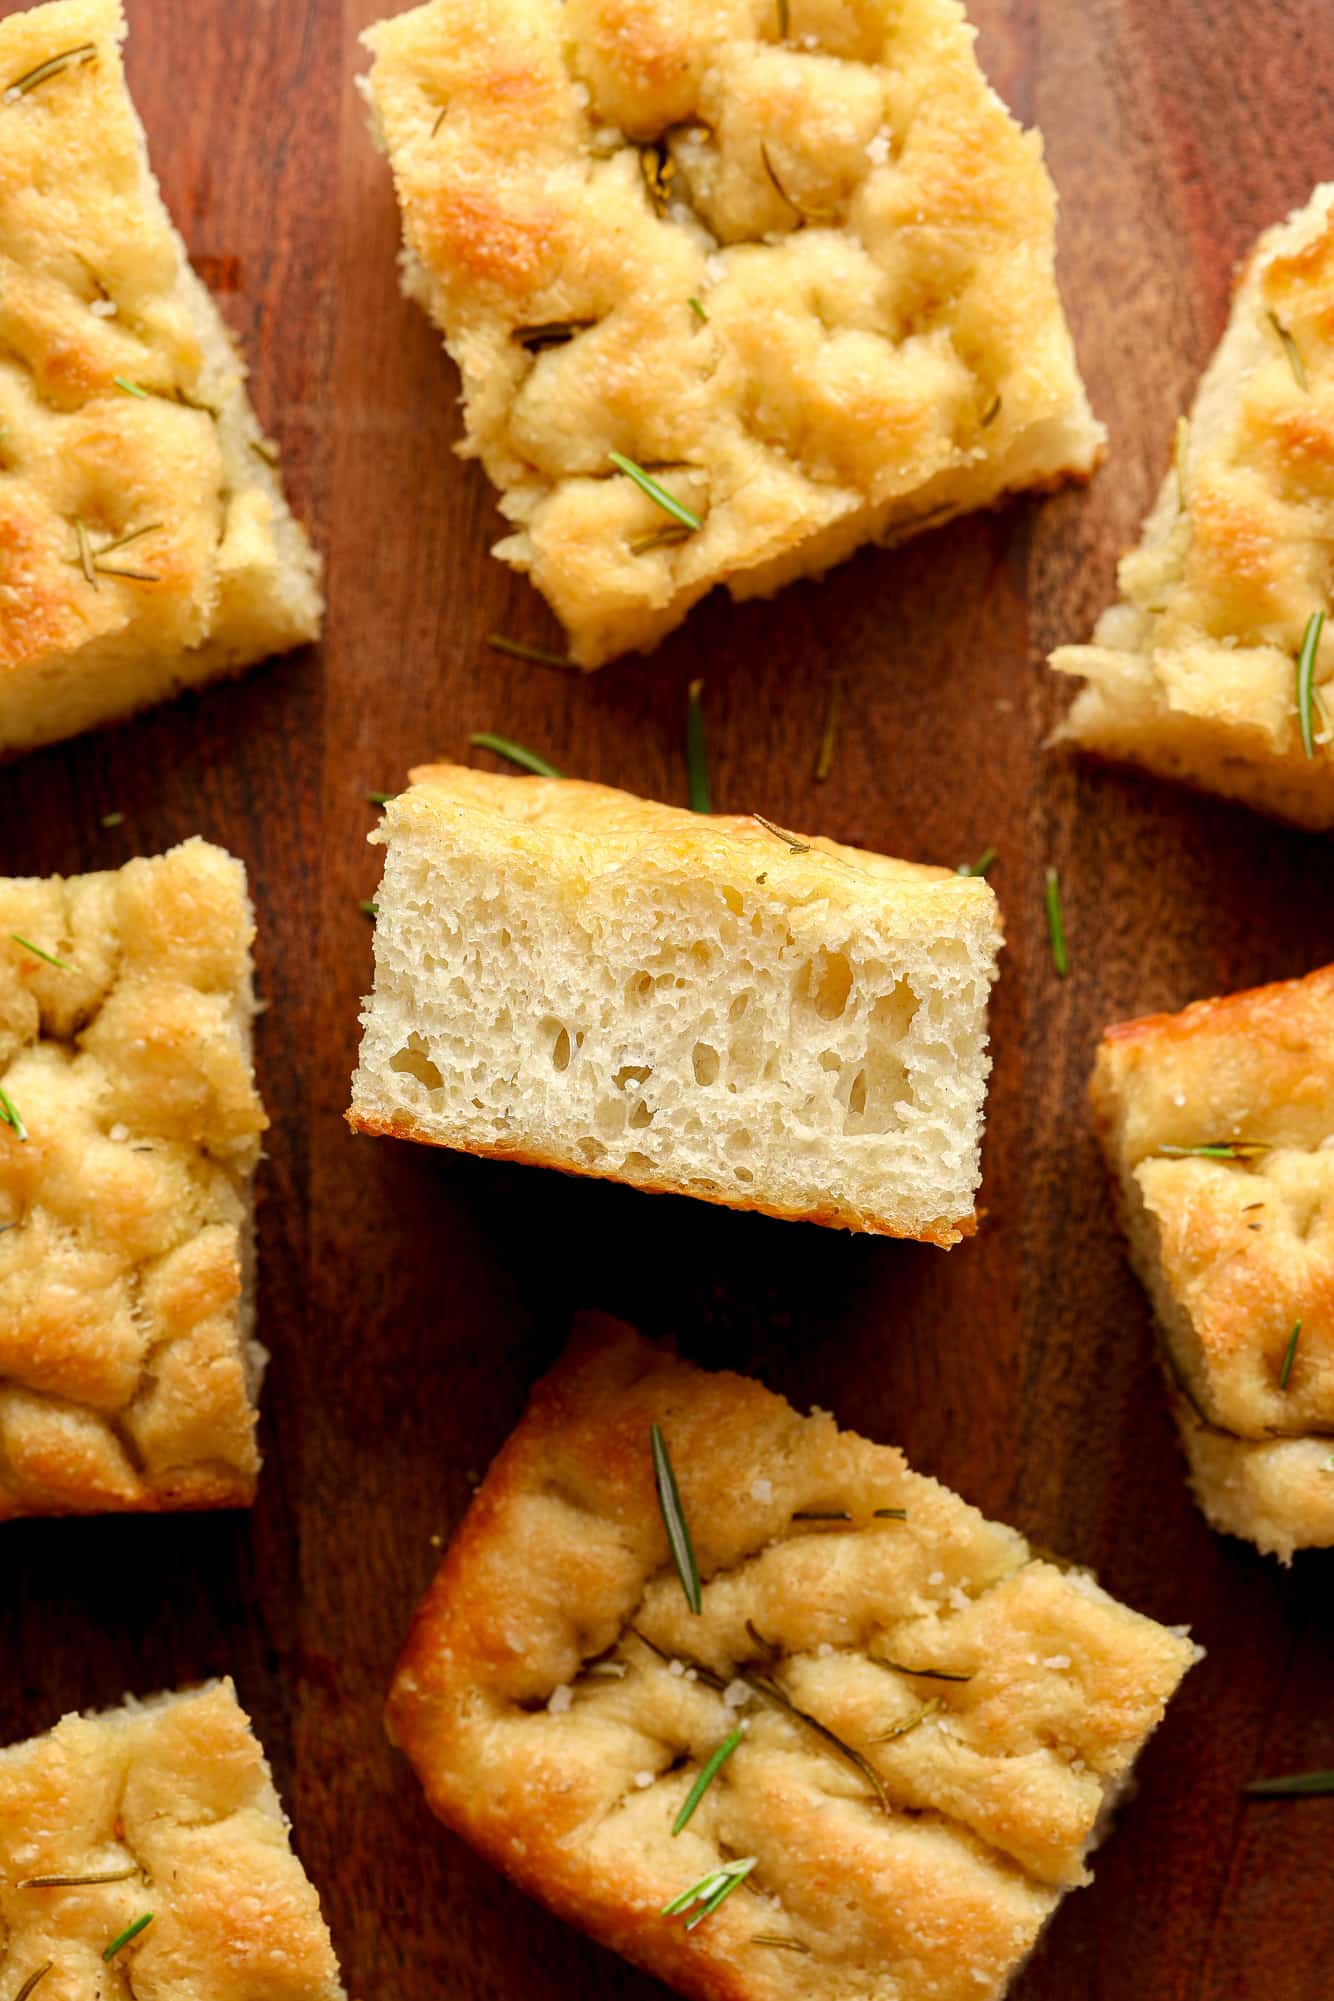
1194 673
145 545
166 1808
795 260
935 1722
129 1133
688 1002
1218 1124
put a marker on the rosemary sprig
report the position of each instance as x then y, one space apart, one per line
79 1882
1306 688
38 953
658 494
927 1674
698 310
1289 1355
794 846
1291 349
518 649
11 1116
697 754
32 1980
984 864
674 1521
527 760
710 1891
778 1943
552 333
130 388
1060 957
824 762
1216 1149
708 1773
130 1932
1297 1785
67 59
815 215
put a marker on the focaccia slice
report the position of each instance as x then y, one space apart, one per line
570 975
129 1134
795 261
1195 673
1218 1124
161 1811
934 1723
145 544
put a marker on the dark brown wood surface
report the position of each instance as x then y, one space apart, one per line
409 1298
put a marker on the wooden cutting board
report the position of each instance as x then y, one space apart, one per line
408 1299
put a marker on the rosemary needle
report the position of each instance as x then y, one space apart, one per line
697 755
698 310
78 1882
519 650
985 862
1295 1786
1216 1149
130 388
130 1932
1289 1355
67 59
32 1980
381 798
794 846
11 1116
85 555
927 1674
710 1891
112 820
38 953
1060 958
708 1774
1291 349
527 760
824 762
1306 689
658 494
674 1521
369 909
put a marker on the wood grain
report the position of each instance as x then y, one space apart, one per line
408 1299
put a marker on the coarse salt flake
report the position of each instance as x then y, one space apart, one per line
562 1698
737 1694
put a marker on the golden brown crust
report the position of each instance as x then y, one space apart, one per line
567 1772
174 1797
1236 1251
1193 673
876 338
163 478
126 1367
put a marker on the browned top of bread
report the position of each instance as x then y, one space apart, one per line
559 1698
1219 1122
171 1804
124 1372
